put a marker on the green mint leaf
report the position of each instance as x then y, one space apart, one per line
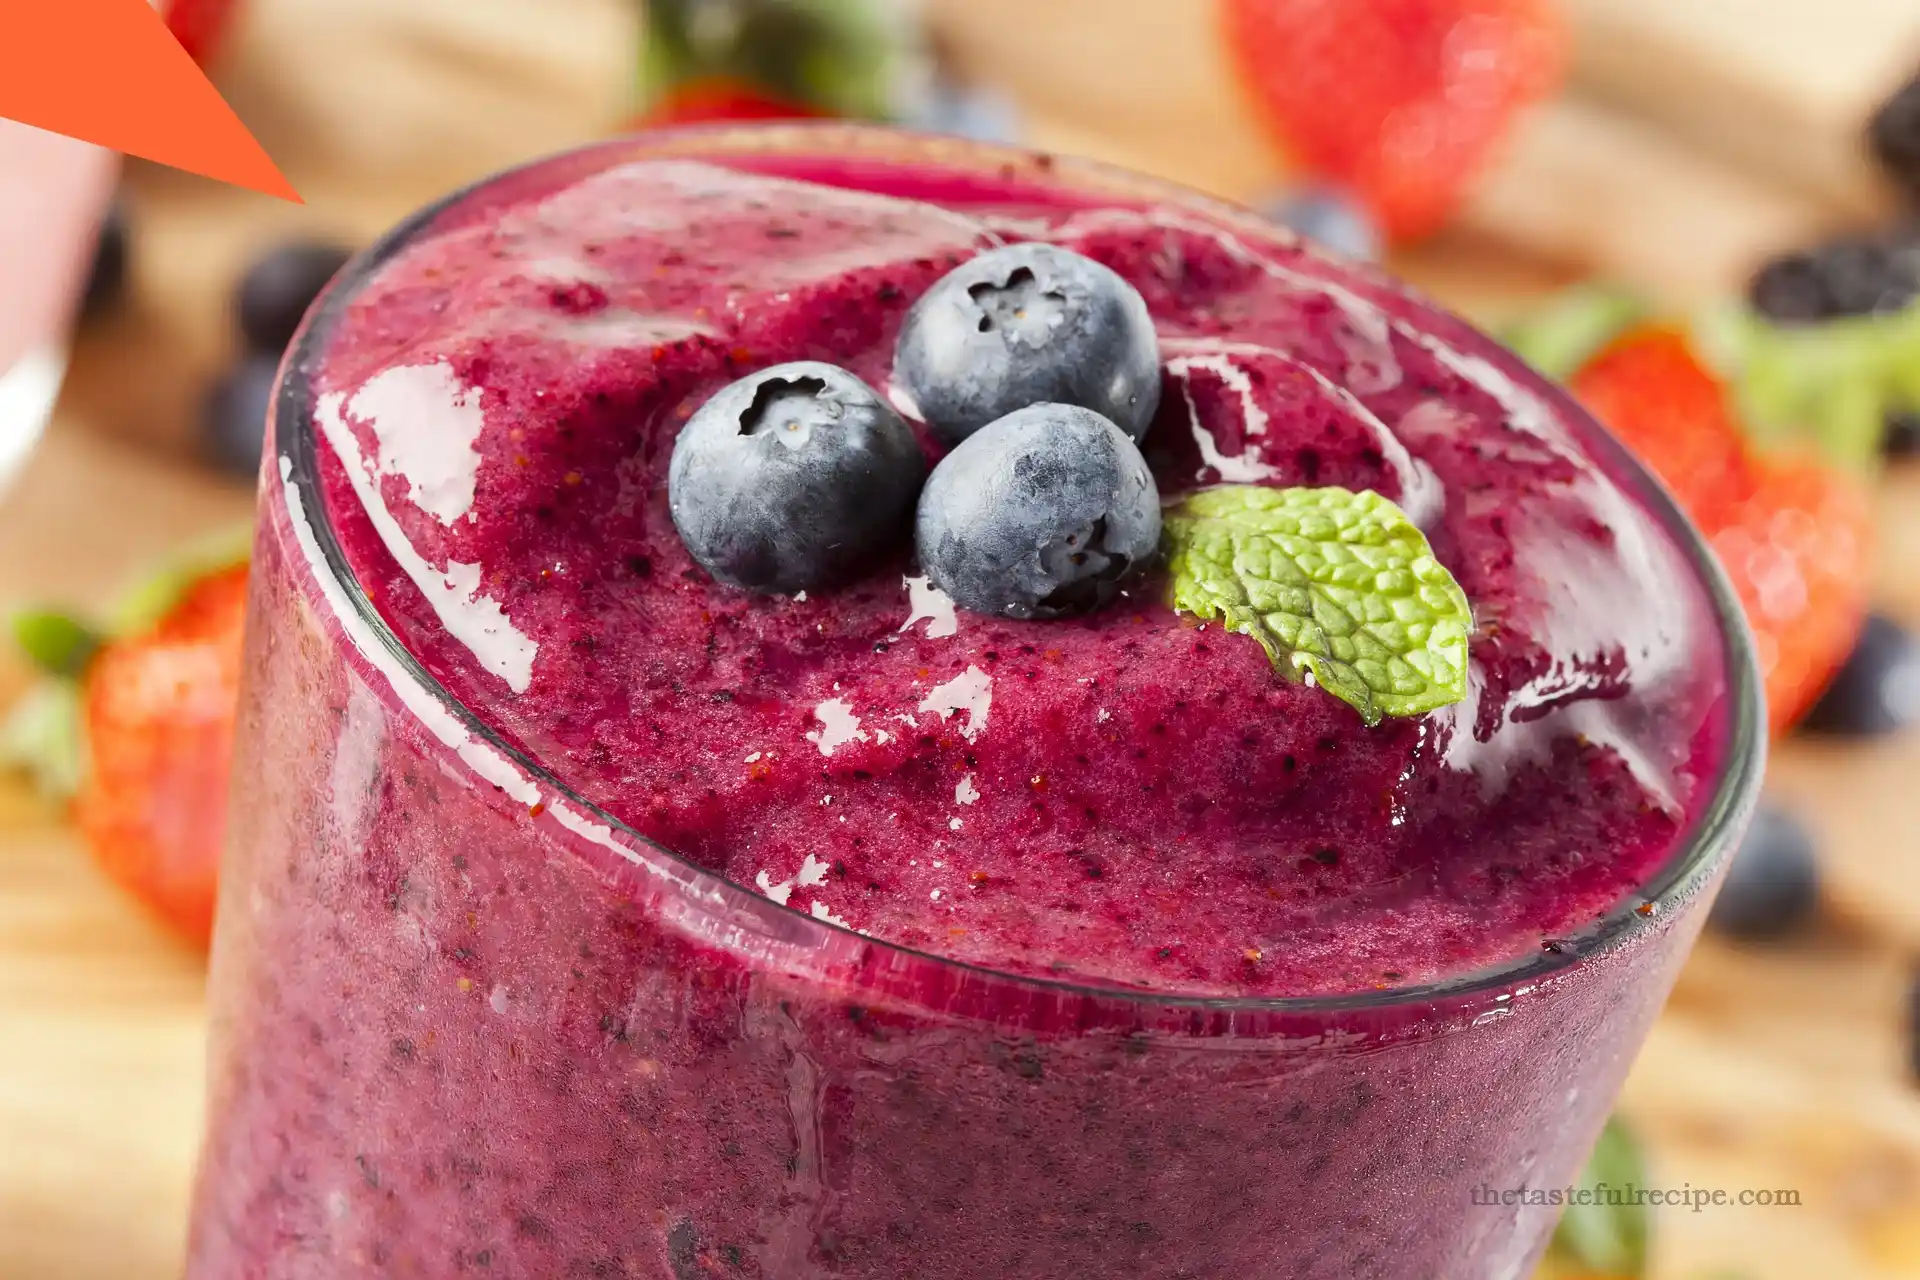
1602 1238
1569 329
1332 583
42 734
57 643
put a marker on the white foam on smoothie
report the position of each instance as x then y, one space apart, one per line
820 911
474 619
972 692
778 892
966 792
812 872
929 604
427 424
489 762
838 726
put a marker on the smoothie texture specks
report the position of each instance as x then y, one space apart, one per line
929 604
970 694
838 726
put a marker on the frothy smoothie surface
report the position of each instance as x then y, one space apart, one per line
1129 798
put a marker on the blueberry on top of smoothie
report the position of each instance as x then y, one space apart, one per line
1038 515
1023 325
796 477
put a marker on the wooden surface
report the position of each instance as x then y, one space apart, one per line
1779 1069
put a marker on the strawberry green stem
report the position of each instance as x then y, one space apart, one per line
57 643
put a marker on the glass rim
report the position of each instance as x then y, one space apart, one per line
1686 871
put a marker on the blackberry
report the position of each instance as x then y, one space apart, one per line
1902 439
1852 275
1894 137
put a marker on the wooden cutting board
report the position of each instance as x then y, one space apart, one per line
1781 88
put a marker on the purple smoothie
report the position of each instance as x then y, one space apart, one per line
466 1026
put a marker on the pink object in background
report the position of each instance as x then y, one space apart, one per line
53 192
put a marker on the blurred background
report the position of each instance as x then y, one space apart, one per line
1705 216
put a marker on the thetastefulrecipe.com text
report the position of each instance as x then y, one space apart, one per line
1684 1196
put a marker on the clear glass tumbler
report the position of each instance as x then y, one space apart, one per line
466 1024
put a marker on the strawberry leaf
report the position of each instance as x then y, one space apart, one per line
42 734
58 644
1827 388
1339 587
839 57
1568 330
1595 1236
155 595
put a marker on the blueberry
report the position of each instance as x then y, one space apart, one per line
1029 324
1038 515
107 278
1877 690
1773 884
794 478
1332 219
234 417
277 290
968 111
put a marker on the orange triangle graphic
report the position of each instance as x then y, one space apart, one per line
109 72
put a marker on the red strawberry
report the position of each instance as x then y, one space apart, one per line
159 710
1651 391
1793 535
1401 101
1796 542
199 24
719 100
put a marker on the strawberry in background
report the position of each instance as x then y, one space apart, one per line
708 61
1769 435
1401 102
1793 533
135 727
199 25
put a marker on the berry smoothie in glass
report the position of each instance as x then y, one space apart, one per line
605 900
